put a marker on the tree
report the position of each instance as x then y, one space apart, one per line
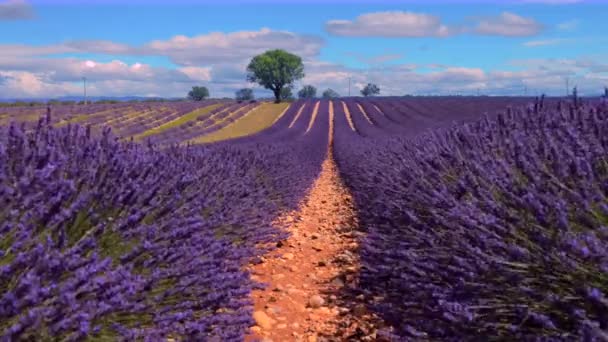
307 92
606 92
330 93
286 93
370 90
245 94
275 70
198 93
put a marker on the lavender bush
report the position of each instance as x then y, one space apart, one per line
107 239
491 230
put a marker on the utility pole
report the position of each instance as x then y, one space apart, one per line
567 86
349 86
84 80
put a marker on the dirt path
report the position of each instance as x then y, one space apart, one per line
310 273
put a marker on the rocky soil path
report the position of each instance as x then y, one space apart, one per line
313 273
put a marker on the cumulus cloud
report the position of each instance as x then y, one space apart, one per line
538 76
222 47
508 24
119 79
100 46
216 58
411 24
390 24
15 10
197 73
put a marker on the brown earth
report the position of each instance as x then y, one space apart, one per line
312 276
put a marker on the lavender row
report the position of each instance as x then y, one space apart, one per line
107 239
496 229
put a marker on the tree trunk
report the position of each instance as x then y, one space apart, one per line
277 95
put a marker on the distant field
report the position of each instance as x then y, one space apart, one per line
162 122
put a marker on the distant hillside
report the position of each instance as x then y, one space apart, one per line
89 98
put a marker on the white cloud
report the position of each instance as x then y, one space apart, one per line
218 60
117 78
219 47
536 43
390 24
508 24
15 10
211 48
26 84
410 24
197 73
568 25
100 46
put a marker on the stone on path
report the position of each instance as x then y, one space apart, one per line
262 319
316 301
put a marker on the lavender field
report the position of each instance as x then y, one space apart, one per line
480 218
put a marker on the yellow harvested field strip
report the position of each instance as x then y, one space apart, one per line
256 120
83 117
23 117
378 109
127 117
293 122
156 123
314 116
231 114
280 115
177 121
365 113
348 117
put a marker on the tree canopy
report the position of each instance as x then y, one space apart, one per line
245 94
307 92
198 93
370 90
287 93
275 70
330 93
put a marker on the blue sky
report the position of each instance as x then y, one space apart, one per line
433 47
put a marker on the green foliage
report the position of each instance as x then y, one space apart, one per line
307 92
198 93
275 70
286 93
330 94
245 94
21 104
370 90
